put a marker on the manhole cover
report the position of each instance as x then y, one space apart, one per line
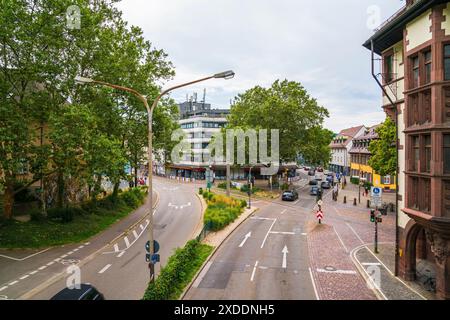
330 268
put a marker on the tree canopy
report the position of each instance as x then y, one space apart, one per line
384 150
88 131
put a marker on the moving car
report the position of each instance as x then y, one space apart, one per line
320 169
290 195
325 185
311 172
313 182
315 191
86 292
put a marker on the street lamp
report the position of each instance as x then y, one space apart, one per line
82 80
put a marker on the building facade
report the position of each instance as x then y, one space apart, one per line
415 48
359 161
340 149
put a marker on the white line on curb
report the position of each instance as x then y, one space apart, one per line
314 284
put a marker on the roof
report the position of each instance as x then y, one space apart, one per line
391 31
369 134
349 133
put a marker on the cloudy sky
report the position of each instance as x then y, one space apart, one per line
315 42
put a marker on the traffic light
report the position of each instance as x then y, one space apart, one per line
372 215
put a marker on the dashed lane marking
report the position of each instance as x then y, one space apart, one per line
50 263
42 268
121 254
105 268
13 283
24 277
127 242
34 272
3 288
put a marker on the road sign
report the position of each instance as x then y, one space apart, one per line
155 246
376 192
152 258
319 214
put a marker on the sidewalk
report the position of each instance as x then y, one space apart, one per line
378 270
351 192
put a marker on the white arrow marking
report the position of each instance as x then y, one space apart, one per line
248 235
285 252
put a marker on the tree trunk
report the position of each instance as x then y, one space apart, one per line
115 190
8 201
61 190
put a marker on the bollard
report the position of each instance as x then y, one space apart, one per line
354 201
345 199
368 203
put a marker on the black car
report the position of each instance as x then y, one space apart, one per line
313 182
311 173
325 185
290 195
315 191
86 292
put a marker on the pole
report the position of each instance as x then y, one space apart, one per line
250 187
150 186
228 179
376 231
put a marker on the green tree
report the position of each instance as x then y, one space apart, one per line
288 107
384 150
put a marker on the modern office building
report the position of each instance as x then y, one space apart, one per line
415 48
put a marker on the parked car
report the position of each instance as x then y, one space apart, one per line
290 195
86 292
320 169
313 182
325 185
306 168
315 191
318 176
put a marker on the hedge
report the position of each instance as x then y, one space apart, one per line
178 272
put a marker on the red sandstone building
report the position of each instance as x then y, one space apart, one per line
415 48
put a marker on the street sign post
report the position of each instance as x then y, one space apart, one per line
155 246
152 258
375 196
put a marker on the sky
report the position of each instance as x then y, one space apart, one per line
315 42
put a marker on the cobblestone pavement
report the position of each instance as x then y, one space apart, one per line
344 229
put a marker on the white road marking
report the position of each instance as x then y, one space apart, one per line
24 277
42 268
33 272
105 268
285 252
135 234
371 264
87 243
121 254
339 237
50 263
81 247
202 274
75 250
69 253
248 235
296 202
284 211
63 256
263 268
127 242
355 232
391 273
3 288
57 259
337 271
304 234
116 248
13 283
142 227
270 229
254 271
259 218
314 284
282 232
31 255
148 221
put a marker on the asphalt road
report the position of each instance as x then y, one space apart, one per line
114 261
266 257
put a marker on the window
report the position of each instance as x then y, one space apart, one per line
386 180
420 196
447 62
446 153
415 74
389 75
416 153
427 143
414 200
446 199
427 56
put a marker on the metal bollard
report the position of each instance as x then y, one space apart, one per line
345 199
368 203
354 201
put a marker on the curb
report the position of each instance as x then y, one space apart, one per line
61 275
199 227
213 252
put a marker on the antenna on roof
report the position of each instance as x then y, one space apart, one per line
204 97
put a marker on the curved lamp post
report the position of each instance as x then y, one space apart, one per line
82 80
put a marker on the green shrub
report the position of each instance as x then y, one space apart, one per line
36 215
65 215
130 199
205 195
243 203
354 180
178 272
200 190
284 186
222 211
222 185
